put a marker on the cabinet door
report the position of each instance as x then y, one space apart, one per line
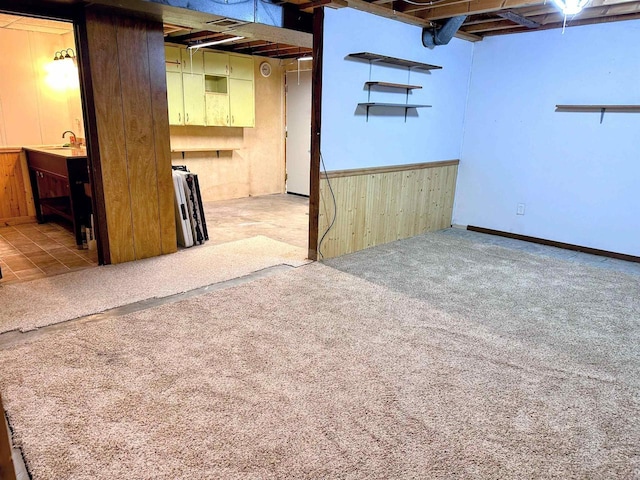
241 103
175 98
173 59
241 67
217 109
193 87
192 62
216 63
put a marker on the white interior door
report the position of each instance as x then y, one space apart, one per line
298 132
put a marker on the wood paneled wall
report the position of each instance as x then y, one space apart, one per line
380 205
16 199
129 144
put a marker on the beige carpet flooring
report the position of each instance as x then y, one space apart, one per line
52 300
316 373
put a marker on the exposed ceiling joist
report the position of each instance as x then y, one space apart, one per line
573 23
519 19
401 17
309 6
443 11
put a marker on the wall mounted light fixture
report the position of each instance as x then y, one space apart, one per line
64 54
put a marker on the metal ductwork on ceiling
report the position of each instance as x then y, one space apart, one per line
432 37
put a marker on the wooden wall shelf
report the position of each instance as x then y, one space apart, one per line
201 149
399 62
392 105
401 86
599 108
406 106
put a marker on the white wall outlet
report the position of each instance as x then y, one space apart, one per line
520 209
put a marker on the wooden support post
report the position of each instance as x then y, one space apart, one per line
7 472
316 120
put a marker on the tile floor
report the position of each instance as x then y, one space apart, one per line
31 251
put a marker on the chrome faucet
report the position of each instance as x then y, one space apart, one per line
72 139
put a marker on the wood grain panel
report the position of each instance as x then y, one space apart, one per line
138 137
385 206
161 134
16 201
7 471
130 132
316 130
108 101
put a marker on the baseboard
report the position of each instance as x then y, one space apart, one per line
6 222
553 243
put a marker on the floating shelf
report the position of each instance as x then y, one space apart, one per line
392 85
201 149
403 105
599 108
406 106
374 57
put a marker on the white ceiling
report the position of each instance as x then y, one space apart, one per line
34 24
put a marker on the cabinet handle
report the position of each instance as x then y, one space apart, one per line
227 119
233 119
187 117
226 69
179 117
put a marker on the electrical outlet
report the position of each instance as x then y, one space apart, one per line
520 209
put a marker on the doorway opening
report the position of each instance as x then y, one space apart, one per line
230 118
45 196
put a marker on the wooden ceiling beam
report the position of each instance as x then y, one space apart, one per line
250 45
309 6
474 7
306 52
406 7
274 47
574 23
195 36
518 19
554 18
386 12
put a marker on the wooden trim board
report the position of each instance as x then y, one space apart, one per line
553 243
390 168
17 220
7 471
316 128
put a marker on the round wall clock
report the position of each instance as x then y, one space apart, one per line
265 69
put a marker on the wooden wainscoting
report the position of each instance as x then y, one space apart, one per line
16 199
383 204
129 147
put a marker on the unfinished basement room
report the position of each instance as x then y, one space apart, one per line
332 239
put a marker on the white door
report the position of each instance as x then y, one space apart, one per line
298 132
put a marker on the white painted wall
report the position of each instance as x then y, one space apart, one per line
348 140
578 178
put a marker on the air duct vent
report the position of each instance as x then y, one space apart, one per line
226 23
432 37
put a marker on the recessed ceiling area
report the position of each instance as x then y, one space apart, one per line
32 24
247 45
487 17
